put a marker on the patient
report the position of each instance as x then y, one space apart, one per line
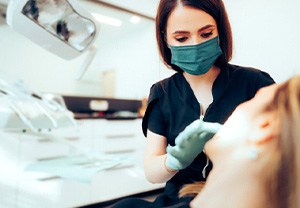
256 154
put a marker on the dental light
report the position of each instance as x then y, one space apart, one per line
62 27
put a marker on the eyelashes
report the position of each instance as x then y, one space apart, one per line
182 39
206 35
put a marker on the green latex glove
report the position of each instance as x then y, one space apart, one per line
189 143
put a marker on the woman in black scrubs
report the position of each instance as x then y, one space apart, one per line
194 39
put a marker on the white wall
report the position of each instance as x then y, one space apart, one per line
146 7
134 58
266 35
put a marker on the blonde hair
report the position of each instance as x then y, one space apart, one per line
191 189
284 184
284 164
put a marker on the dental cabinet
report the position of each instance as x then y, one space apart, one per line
115 137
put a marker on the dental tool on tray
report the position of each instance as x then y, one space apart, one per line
22 110
36 112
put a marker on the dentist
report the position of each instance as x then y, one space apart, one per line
194 39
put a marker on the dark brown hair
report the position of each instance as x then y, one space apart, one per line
215 8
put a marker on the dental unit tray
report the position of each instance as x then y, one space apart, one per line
24 110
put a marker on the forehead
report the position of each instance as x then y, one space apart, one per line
188 18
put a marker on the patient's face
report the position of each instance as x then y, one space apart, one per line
241 126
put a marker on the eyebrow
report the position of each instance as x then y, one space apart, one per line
186 32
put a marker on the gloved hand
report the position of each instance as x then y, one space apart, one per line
189 143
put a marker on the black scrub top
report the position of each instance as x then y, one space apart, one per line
172 106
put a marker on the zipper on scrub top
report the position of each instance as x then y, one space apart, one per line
207 160
201 112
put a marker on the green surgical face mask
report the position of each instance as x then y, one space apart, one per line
196 59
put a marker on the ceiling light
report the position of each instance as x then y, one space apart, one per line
107 20
135 19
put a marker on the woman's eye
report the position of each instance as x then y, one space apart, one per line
206 35
181 39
